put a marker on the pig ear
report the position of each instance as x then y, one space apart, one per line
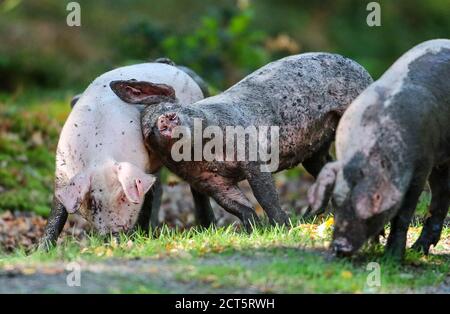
320 192
73 194
165 60
75 100
141 92
134 181
383 199
369 206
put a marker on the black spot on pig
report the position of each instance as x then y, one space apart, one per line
95 206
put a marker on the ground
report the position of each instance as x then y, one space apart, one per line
180 259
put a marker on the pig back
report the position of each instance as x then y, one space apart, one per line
411 100
305 86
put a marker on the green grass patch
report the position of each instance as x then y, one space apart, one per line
269 260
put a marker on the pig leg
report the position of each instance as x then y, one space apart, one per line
396 242
204 214
150 209
263 188
314 165
317 161
440 188
231 198
376 238
55 224
156 203
320 192
143 222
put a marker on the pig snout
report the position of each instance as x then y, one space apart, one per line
166 123
341 247
116 225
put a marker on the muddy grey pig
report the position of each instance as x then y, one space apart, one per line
102 165
392 139
300 98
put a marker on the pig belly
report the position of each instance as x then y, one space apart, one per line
298 145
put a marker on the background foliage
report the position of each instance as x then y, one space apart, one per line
223 40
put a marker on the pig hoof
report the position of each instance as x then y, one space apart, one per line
208 224
251 224
155 233
282 220
45 245
421 246
395 253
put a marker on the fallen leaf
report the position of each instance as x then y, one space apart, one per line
99 251
346 274
114 243
51 271
129 244
109 252
28 271
325 227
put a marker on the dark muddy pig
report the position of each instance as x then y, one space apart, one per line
392 139
303 96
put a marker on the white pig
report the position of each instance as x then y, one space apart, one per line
101 162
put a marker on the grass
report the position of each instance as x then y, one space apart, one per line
268 260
